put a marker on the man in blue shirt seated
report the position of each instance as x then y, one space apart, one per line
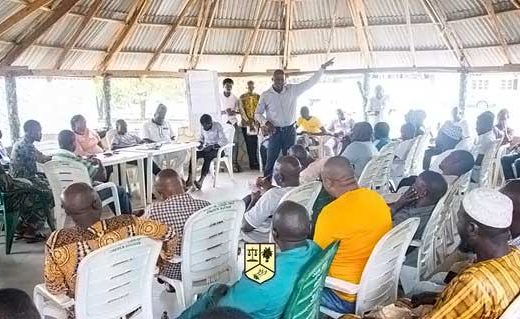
291 227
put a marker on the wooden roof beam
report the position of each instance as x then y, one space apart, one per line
410 31
499 32
135 13
94 8
206 5
447 35
171 31
205 33
254 36
63 7
21 14
332 28
198 26
356 11
287 33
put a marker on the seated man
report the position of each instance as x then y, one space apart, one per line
311 169
87 141
512 190
23 166
260 208
420 200
447 138
358 217
456 164
4 156
381 132
174 209
16 304
124 139
486 138
309 124
67 247
268 300
95 168
485 289
211 139
361 150
402 150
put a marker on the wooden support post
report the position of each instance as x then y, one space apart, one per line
463 86
365 93
107 97
12 106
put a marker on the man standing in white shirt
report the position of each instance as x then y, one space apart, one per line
486 138
279 105
230 109
377 107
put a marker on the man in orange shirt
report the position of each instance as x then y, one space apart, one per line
358 217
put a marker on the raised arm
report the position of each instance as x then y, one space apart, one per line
315 78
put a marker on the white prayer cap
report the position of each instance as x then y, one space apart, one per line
489 207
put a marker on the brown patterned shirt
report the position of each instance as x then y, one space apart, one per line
66 248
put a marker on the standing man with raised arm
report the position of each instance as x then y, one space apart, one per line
279 105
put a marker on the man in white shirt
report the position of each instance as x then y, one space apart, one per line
377 106
159 130
256 224
230 109
279 105
486 138
362 149
459 121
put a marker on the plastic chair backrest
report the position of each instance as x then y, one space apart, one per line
380 278
304 302
513 310
410 157
487 167
304 195
498 173
210 247
60 175
433 249
229 132
453 201
376 173
418 155
109 138
117 279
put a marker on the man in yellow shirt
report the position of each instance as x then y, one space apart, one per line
309 124
358 217
248 103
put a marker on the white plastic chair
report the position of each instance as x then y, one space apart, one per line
304 195
111 282
61 174
376 174
209 250
498 178
418 155
487 167
224 154
409 160
513 310
380 278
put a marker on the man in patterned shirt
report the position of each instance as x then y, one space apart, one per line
248 104
174 209
66 248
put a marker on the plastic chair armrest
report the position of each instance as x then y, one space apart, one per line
61 300
107 185
341 285
416 243
223 148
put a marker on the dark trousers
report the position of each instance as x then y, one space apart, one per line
208 156
281 140
507 165
252 147
124 199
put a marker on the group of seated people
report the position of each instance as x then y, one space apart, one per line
489 220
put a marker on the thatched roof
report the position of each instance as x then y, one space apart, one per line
98 36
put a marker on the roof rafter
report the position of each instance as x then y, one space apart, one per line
94 8
360 20
254 36
516 3
199 24
495 23
332 27
287 34
135 13
410 31
447 34
182 13
205 31
37 31
21 14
